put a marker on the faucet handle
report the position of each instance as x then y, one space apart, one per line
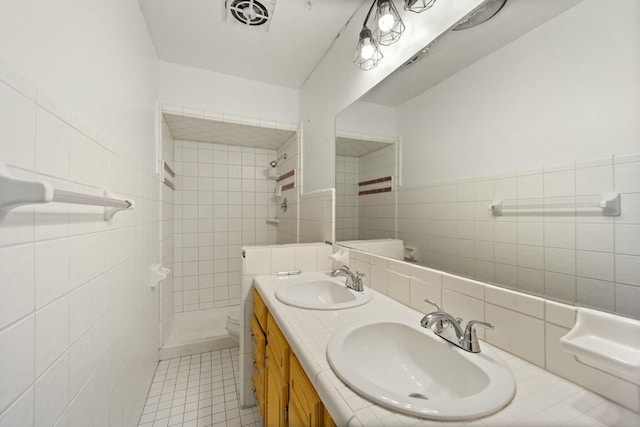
470 332
470 337
438 308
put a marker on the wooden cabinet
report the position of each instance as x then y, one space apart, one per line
259 352
285 396
305 406
277 375
327 421
277 397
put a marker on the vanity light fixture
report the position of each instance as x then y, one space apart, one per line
387 29
368 53
418 6
387 24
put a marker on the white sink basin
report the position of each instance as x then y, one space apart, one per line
409 369
322 294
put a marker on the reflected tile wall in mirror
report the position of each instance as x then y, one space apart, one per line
572 255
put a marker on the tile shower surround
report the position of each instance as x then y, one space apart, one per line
367 216
574 256
221 202
78 322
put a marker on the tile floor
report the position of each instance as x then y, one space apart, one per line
200 390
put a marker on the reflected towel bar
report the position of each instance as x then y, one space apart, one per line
16 192
609 205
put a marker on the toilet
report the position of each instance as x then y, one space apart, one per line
233 325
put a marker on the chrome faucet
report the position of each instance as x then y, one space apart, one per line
353 281
450 328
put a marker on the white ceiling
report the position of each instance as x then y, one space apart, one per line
192 32
455 50
204 130
355 147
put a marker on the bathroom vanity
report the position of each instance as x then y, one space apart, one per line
284 394
295 384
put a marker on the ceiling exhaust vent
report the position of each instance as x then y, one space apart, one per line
250 13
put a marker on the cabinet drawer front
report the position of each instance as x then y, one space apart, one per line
278 346
260 309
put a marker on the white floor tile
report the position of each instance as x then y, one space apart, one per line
200 390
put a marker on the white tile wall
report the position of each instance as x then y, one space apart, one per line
377 212
369 216
78 322
287 229
569 255
222 201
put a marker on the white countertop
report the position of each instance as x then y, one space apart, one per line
542 398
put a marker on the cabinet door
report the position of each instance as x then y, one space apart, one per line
297 415
279 347
277 396
303 399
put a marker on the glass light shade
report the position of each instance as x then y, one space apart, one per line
368 53
387 24
418 6
386 20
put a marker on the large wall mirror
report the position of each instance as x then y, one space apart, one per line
537 109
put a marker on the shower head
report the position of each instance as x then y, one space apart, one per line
275 162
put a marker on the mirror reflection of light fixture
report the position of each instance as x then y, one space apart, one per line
418 6
368 53
387 24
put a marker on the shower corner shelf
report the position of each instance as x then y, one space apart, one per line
16 192
274 221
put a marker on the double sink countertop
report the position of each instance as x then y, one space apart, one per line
541 399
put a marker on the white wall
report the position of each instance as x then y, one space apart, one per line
94 58
368 118
568 90
167 234
336 82
185 86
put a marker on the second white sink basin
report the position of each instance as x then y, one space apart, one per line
321 294
408 369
